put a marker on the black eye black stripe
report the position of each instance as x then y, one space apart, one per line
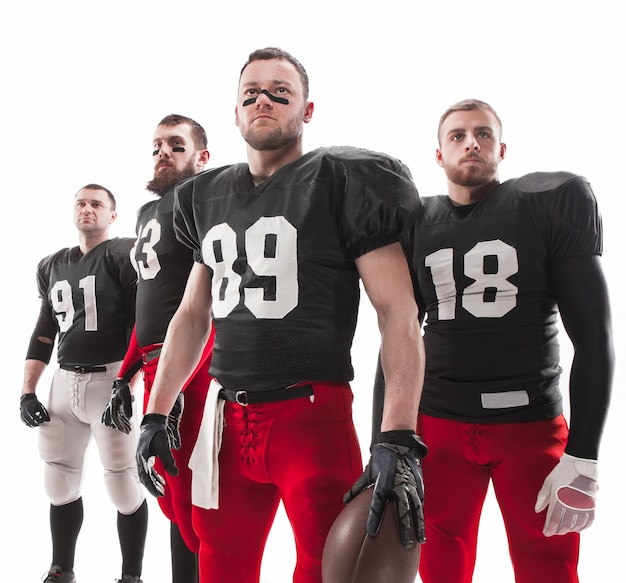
272 98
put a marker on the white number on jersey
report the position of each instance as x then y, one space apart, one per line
491 295
88 285
63 303
219 250
149 236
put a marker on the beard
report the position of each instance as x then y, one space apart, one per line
471 175
165 180
262 139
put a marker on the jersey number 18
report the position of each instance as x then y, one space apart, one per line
491 295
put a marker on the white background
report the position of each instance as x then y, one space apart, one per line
84 85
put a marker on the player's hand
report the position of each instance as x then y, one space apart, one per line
395 469
154 442
173 421
32 412
119 409
569 492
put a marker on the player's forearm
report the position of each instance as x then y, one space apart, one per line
590 392
387 281
33 370
205 359
182 350
403 359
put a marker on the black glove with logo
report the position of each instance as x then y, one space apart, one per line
395 469
154 442
173 421
32 412
119 409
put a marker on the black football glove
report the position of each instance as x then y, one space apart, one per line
395 469
32 412
154 442
119 409
173 421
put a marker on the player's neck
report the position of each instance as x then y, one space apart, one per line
264 163
87 241
464 195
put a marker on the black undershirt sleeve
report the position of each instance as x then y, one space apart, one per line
583 300
46 327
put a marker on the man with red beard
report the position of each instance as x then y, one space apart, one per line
494 266
163 264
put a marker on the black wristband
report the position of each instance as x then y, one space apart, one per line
404 437
27 397
153 418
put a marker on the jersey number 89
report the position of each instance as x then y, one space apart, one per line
278 260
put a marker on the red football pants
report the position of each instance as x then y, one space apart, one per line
301 452
176 503
462 459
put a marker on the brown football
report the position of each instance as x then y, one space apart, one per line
352 556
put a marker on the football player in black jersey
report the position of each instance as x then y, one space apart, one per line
281 243
179 150
87 300
495 264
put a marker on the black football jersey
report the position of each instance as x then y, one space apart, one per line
90 301
285 286
483 278
163 265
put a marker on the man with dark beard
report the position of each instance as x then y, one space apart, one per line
163 264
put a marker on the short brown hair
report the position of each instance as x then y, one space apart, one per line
197 131
466 105
269 53
93 186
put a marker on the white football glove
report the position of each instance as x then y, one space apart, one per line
569 492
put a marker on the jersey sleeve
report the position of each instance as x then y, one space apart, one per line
120 255
380 202
578 225
184 223
575 224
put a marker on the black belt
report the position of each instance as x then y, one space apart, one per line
151 355
78 369
274 395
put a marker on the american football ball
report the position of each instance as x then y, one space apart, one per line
352 556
